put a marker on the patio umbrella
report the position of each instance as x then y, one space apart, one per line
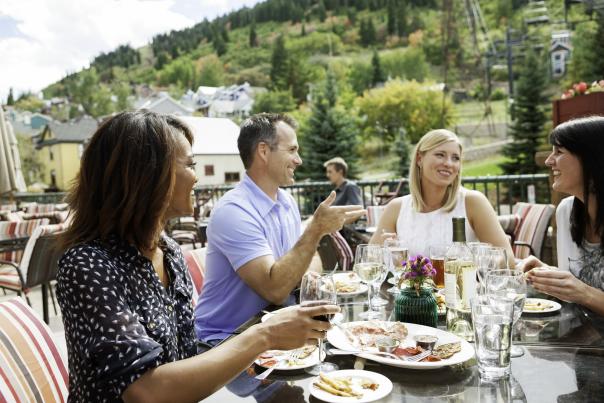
11 177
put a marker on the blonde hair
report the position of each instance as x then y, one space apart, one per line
430 141
339 164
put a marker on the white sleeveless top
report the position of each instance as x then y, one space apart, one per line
419 231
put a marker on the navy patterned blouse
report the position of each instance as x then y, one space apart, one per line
120 321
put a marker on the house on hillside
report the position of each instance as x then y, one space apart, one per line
200 100
161 102
233 101
27 123
215 150
560 52
61 146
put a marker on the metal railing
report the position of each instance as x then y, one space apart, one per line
502 191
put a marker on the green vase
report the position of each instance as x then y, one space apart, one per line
413 308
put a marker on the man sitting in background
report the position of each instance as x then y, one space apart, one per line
347 192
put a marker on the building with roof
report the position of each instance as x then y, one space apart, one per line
560 51
234 101
61 146
163 103
215 150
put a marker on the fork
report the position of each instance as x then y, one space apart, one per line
413 358
294 355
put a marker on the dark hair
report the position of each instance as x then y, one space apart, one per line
126 179
260 128
584 138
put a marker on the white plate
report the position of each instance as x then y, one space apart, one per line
384 388
554 305
353 279
338 317
370 230
309 361
337 338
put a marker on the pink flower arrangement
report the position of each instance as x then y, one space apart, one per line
582 88
417 270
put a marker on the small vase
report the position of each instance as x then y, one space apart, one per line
419 309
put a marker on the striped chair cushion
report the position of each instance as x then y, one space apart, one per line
196 263
374 213
534 221
21 228
343 251
9 278
44 207
31 367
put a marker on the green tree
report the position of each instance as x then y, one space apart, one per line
181 72
10 100
83 90
122 92
219 45
401 18
377 76
415 107
303 30
330 132
321 12
402 150
359 76
32 167
279 64
367 32
529 109
274 102
391 17
253 36
212 72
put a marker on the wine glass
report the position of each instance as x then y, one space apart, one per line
369 266
316 290
487 258
396 253
509 285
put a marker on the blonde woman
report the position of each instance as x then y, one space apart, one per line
423 218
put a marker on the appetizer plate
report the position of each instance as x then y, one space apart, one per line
383 389
350 278
539 305
340 340
338 317
268 359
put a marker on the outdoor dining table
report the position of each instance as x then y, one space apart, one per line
10 242
564 354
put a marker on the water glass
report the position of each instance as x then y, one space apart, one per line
369 266
395 253
493 321
487 258
509 285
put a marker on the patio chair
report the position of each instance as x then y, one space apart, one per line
527 227
19 228
185 230
38 266
196 263
31 366
333 249
383 196
45 207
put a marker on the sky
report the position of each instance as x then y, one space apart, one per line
43 40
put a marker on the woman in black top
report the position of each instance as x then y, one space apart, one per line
123 286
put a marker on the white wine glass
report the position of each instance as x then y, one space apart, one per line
317 290
369 266
509 285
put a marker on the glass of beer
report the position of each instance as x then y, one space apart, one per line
437 256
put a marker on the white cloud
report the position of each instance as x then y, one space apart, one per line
61 36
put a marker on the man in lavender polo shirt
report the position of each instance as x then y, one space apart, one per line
256 253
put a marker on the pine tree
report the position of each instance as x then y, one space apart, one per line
377 72
527 127
219 45
11 99
367 32
303 31
402 151
598 49
330 132
401 18
253 36
321 12
391 14
279 65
